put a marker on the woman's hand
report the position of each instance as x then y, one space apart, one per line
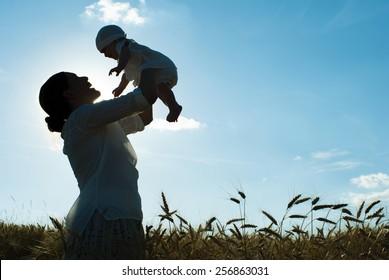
148 85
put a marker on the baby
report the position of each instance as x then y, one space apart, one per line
133 58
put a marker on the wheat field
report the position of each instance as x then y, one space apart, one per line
324 232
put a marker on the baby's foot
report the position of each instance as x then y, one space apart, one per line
174 113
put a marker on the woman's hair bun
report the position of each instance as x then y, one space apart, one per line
55 124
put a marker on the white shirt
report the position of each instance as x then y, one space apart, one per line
103 160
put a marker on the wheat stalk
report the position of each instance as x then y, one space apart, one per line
325 220
165 206
349 218
271 232
337 206
248 226
360 209
235 200
315 200
346 211
302 200
293 201
297 216
371 206
182 219
323 206
242 194
270 218
234 221
375 214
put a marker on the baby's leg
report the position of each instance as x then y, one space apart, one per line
167 96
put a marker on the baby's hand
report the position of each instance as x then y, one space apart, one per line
117 91
116 69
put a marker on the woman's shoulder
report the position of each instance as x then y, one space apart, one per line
78 117
83 109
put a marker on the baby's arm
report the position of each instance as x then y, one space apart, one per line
123 84
123 59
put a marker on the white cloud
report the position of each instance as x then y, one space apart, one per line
182 124
353 13
297 158
371 181
328 154
325 161
338 166
109 11
358 198
345 164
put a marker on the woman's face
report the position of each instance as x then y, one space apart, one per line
82 89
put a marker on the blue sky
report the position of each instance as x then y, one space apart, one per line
280 98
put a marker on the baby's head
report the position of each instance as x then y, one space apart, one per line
107 37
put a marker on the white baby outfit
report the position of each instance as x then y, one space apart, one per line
142 57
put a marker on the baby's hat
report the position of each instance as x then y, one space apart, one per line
107 35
